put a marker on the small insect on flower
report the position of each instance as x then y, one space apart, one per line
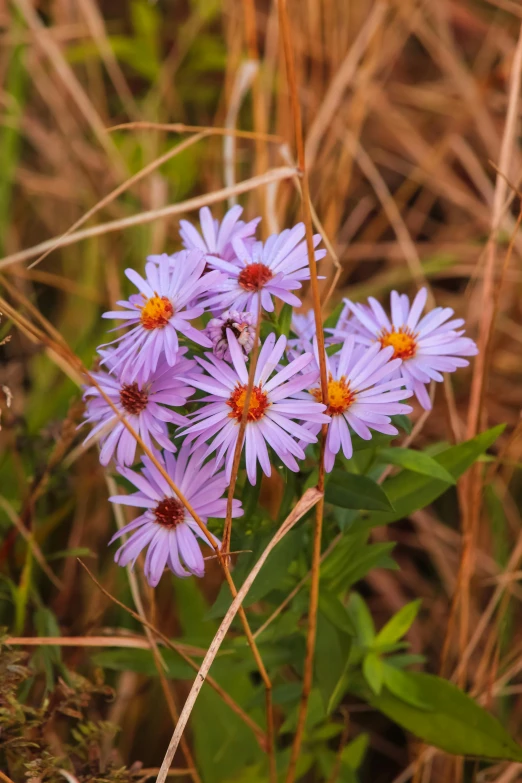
271 411
217 239
161 310
142 404
242 326
428 346
361 397
166 527
274 268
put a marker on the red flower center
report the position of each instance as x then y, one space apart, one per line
156 312
402 340
132 399
169 513
254 276
257 405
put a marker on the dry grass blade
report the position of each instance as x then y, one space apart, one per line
273 175
155 164
309 499
31 543
182 650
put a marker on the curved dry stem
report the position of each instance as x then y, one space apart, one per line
180 127
309 499
155 164
273 175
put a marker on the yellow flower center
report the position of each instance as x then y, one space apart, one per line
257 405
340 397
156 312
402 341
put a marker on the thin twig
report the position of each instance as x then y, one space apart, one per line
227 529
316 553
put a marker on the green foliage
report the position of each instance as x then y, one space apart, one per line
348 490
444 716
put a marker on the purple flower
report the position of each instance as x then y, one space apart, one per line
271 413
159 312
217 239
166 527
427 347
242 326
274 268
143 405
359 396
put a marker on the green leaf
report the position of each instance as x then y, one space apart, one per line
353 754
330 657
352 559
403 422
450 720
416 461
398 625
373 671
270 576
285 319
332 608
410 491
360 492
361 619
78 551
142 662
404 687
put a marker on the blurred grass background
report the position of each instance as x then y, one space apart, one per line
404 108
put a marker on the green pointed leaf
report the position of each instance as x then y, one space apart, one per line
353 754
332 608
362 620
373 671
360 492
285 319
410 491
451 720
398 625
416 461
330 657
404 687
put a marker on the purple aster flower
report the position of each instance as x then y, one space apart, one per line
303 326
271 413
143 405
159 312
217 239
166 527
242 326
274 268
361 396
428 346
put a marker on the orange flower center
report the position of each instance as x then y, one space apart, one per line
403 342
169 513
339 396
256 407
254 276
156 312
132 399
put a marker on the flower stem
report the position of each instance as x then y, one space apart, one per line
318 527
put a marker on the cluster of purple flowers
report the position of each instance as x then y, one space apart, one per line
374 362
